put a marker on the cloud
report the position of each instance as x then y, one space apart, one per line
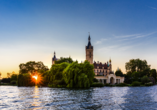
108 48
100 41
126 36
145 35
122 43
132 36
153 8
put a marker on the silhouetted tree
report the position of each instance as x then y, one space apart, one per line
32 66
119 73
8 75
153 73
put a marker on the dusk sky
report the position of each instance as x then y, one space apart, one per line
31 30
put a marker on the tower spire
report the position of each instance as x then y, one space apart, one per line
89 37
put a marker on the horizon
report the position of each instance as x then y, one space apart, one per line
120 30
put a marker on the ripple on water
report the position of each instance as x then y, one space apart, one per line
94 98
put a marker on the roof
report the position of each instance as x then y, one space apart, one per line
54 57
100 65
89 46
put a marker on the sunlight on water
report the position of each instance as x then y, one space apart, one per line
12 97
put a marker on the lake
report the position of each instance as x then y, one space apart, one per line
12 97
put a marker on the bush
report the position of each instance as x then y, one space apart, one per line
149 84
97 85
59 82
13 82
145 79
136 83
25 80
95 80
122 84
107 84
56 86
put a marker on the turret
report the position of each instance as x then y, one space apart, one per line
89 51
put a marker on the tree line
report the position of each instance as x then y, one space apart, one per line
68 73
64 73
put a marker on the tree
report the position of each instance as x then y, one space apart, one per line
153 73
8 75
25 79
79 75
14 77
118 73
136 65
61 60
136 76
145 72
57 70
145 79
5 80
31 67
0 75
128 77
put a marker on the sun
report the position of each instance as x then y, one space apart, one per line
36 77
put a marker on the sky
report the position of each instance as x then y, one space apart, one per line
31 30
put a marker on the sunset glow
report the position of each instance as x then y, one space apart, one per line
36 77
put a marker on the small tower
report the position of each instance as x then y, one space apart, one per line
54 58
110 65
89 51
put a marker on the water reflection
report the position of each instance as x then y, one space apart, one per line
93 98
36 99
140 98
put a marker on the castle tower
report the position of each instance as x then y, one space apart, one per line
89 51
54 58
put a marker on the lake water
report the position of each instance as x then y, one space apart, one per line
12 97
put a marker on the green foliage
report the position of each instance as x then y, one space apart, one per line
145 79
118 73
136 83
149 84
61 60
95 80
14 77
153 73
56 71
25 80
31 67
57 83
95 84
122 84
136 65
135 76
136 69
14 82
79 75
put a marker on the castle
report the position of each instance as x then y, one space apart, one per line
103 72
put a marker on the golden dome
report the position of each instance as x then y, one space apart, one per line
110 60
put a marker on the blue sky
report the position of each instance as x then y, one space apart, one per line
31 30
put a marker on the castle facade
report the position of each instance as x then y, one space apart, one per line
103 71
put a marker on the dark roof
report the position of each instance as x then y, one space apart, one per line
54 57
100 65
89 46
